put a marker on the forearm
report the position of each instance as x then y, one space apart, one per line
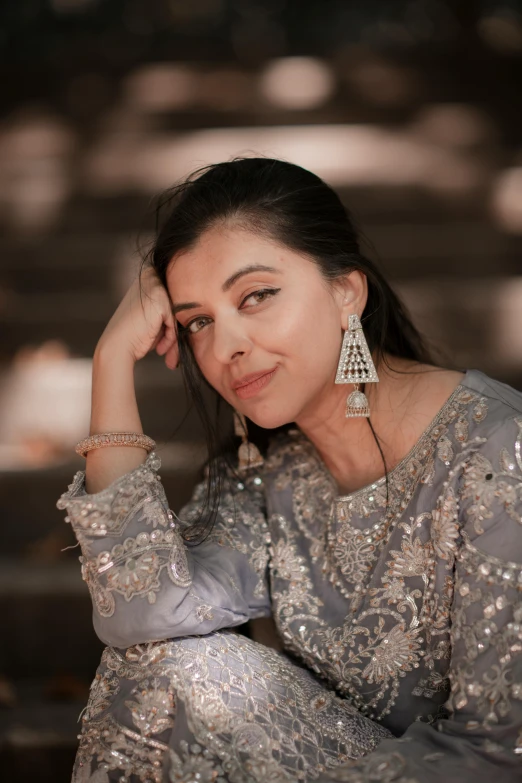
144 582
113 409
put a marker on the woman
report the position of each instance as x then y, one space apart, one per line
375 513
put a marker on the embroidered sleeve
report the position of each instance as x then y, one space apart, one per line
146 584
479 737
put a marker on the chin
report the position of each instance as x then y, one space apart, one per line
270 420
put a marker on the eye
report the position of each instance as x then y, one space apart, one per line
188 327
268 291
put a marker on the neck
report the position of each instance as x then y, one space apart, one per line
347 445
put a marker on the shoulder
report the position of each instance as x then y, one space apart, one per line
500 402
481 413
494 444
491 481
495 435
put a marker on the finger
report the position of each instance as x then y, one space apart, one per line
159 339
166 342
163 346
169 337
172 357
170 328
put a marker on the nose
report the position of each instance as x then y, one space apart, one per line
230 341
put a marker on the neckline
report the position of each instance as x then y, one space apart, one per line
411 453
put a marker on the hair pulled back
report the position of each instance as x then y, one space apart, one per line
289 204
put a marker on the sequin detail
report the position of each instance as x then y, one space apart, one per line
409 612
248 714
133 566
396 625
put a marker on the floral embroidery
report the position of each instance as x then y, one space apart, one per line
134 568
482 484
204 612
395 653
152 708
354 655
461 429
496 586
339 653
479 486
445 450
136 575
107 512
411 560
432 684
103 689
250 712
480 410
445 526
393 602
285 563
116 747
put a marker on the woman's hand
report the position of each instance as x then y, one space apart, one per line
140 324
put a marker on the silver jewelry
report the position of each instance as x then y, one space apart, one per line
356 366
248 453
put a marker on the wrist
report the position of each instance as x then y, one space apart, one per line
114 406
106 353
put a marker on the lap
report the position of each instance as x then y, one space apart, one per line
220 705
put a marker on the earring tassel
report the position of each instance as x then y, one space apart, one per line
249 456
357 404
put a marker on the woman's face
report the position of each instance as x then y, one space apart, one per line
282 318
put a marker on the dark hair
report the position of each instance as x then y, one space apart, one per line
296 208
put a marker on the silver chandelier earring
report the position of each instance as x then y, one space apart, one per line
248 453
356 366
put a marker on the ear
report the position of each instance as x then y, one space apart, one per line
351 295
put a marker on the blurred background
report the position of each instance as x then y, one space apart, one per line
411 109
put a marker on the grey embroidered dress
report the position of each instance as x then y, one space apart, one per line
400 615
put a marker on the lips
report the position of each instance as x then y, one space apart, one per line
253 376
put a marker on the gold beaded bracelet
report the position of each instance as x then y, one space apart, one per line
114 439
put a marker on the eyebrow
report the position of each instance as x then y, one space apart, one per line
227 285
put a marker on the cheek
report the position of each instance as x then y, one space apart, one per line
314 335
305 339
291 326
210 368
204 361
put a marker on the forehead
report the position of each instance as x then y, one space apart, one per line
220 251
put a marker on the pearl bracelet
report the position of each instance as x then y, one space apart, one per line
114 439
